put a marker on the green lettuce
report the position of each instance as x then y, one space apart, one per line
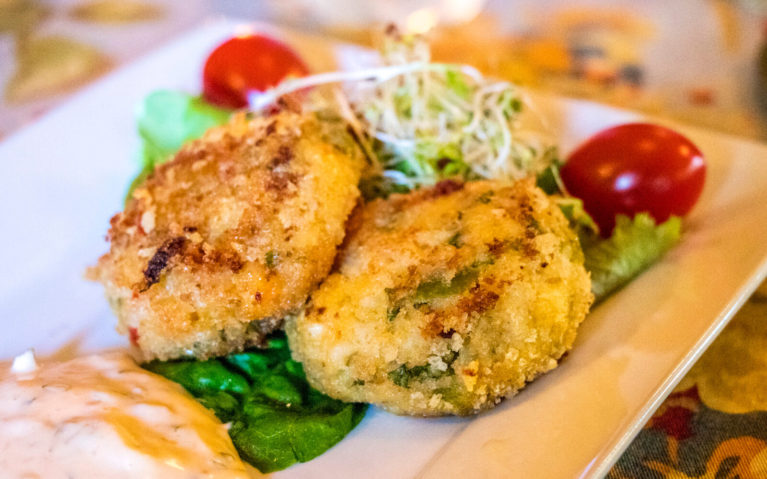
168 119
276 418
633 246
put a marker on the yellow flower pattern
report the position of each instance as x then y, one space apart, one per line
115 11
47 65
732 375
714 425
751 454
51 65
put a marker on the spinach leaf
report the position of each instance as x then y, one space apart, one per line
223 404
277 418
272 436
201 377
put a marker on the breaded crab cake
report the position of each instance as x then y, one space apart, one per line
446 300
223 241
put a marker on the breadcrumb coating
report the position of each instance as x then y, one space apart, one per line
224 240
445 300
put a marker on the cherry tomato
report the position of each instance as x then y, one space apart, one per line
635 168
244 64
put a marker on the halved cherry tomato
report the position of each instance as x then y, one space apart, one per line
244 64
635 168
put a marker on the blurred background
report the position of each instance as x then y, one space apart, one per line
694 60
702 62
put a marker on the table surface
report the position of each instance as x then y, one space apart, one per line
692 60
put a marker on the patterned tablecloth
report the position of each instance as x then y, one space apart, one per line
692 60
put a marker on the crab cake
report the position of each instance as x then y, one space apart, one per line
446 300
223 241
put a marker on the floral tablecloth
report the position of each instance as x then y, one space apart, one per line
691 60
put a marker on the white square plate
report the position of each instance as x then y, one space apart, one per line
65 175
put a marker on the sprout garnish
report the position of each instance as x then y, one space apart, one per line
427 121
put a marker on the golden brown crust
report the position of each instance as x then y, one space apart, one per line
236 229
445 300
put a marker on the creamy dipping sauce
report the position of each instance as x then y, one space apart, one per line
104 416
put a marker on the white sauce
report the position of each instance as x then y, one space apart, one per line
103 416
24 363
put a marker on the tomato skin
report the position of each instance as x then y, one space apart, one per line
248 63
635 168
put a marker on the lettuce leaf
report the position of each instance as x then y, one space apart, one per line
633 247
168 119
276 418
